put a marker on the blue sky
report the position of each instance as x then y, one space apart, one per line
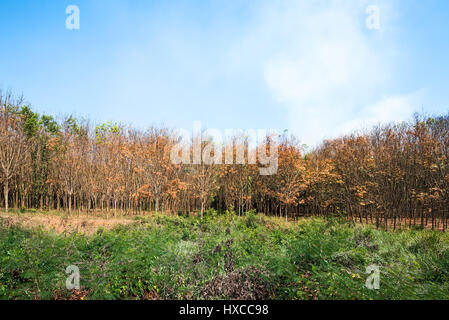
312 67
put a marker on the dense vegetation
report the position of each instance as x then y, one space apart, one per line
395 174
225 256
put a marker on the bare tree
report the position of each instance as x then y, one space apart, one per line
13 142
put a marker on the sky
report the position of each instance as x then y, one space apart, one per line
312 67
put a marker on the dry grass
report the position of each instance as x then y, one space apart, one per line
63 223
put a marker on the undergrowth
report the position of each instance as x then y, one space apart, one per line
224 256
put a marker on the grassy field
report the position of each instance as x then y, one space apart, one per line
220 256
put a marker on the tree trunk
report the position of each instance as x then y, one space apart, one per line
202 207
6 192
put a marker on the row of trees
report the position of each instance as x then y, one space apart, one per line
393 174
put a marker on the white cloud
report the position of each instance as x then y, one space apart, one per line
321 63
388 109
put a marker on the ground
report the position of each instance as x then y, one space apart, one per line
222 255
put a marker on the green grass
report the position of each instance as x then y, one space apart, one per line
225 256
